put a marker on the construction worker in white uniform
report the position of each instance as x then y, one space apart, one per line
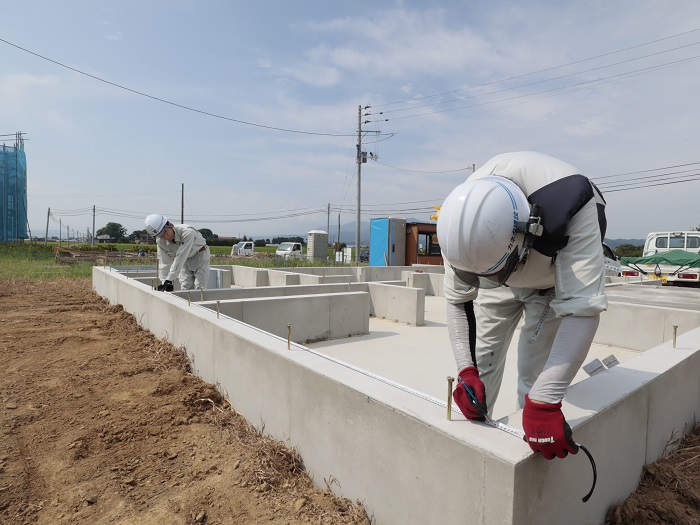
182 253
521 239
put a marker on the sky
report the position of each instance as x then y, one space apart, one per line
254 107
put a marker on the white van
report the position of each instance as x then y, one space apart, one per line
242 248
289 250
660 242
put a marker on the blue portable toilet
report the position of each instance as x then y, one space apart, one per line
387 241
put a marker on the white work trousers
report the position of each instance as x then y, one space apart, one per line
195 272
498 312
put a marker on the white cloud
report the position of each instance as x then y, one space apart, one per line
19 91
587 127
393 43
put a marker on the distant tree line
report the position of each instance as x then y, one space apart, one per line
118 234
629 250
280 240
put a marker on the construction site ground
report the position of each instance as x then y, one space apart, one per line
102 423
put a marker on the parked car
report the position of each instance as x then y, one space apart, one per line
364 255
612 262
289 250
242 248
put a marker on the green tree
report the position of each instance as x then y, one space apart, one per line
279 240
116 231
136 235
209 235
629 250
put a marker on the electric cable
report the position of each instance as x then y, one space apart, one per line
543 70
571 87
175 104
540 81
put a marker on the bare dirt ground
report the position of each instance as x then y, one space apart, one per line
102 423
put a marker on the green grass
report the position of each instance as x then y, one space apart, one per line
38 261
25 261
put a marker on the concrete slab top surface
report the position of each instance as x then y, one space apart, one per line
420 357
655 295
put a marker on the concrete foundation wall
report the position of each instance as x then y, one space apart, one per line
325 271
393 301
398 303
305 318
622 323
372 438
250 277
432 283
280 278
274 291
398 453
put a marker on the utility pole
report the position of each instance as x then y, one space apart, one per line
361 159
93 225
182 205
359 184
46 237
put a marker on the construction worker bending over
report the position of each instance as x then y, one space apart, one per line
182 253
522 237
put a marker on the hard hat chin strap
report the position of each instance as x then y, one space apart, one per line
531 229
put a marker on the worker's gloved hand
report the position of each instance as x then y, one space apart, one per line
167 286
470 394
546 430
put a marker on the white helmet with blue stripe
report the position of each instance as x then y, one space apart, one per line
155 224
482 228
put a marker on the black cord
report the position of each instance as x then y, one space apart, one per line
595 473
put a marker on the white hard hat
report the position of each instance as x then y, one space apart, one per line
155 224
481 230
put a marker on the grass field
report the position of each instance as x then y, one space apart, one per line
38 261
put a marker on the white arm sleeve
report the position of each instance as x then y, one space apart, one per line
570 348
183 252
458 330
164 263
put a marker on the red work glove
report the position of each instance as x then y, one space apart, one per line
473 405
546 430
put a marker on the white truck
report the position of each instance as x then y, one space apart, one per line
660 242
289 250
670 257
242 249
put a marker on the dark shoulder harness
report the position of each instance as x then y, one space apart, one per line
559 202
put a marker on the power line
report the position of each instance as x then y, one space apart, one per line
382 209
175 104
541 70
577 85
539 81
693 179
644 171
422 171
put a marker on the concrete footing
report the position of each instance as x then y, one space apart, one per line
392 446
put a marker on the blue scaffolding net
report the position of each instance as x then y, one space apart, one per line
13 192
